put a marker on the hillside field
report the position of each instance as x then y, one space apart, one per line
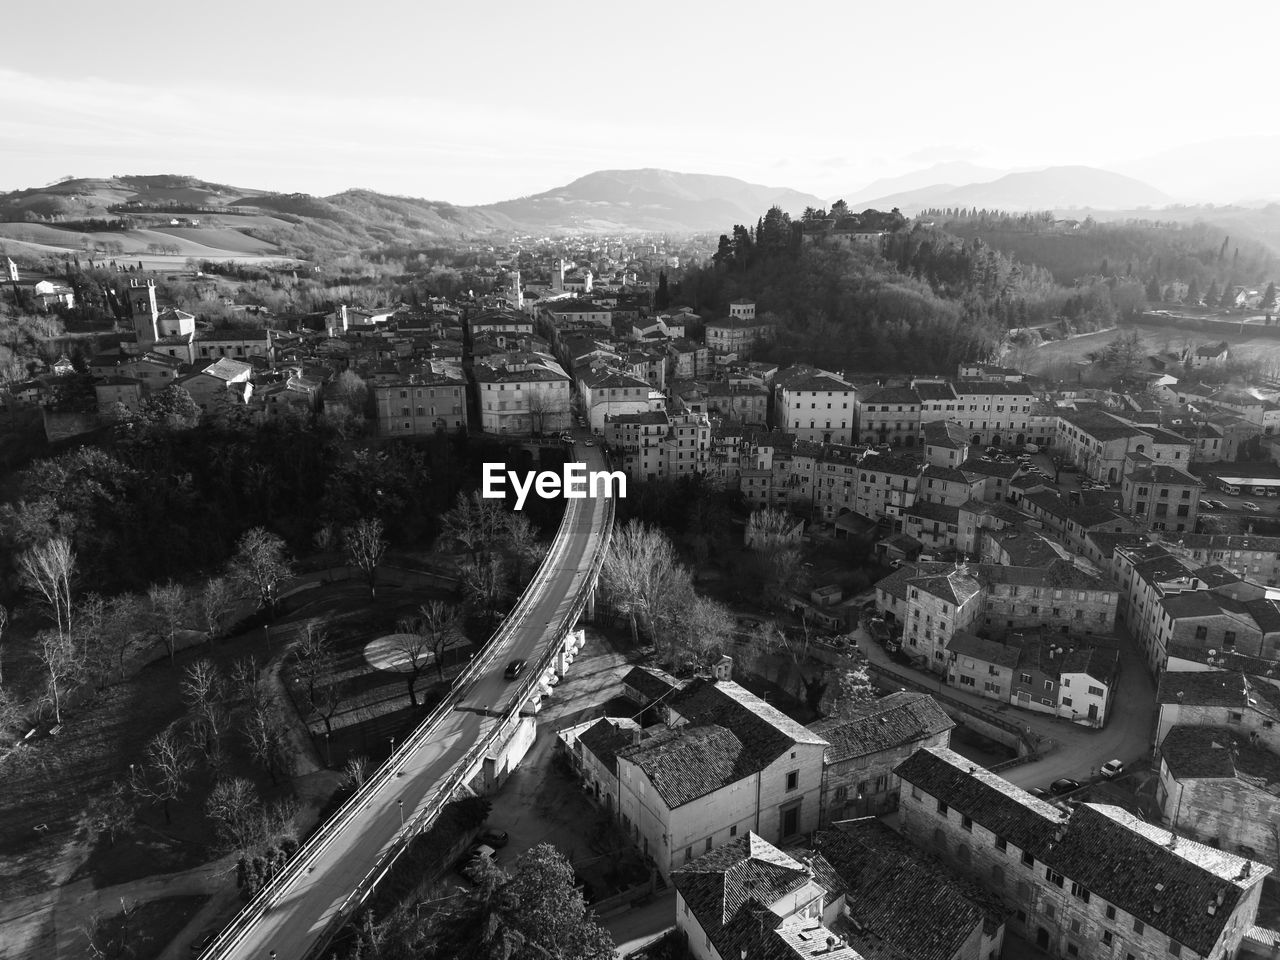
1156 339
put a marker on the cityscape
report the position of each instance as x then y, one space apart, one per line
656 565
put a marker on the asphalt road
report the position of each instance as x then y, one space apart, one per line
303 910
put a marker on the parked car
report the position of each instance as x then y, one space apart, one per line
1251 506
514 669
1063 785
1206 505
1112 768
1040 792
588 442
1219 504
495 838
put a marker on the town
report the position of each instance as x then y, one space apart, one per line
984 663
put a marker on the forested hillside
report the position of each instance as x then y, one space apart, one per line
928 300
1161 250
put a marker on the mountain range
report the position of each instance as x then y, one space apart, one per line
251 222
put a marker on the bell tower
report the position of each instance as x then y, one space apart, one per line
140 301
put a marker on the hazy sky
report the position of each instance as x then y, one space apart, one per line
478 102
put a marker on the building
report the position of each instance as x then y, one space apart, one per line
592 748
994 412
610 393
816 405
726 763
422 402
522 393
945 443
1222 788
1161 496
886 487
750 900
1248 556
857 776
890 416
981 666
738 335
1100 443
221 380
1219 698
1096 881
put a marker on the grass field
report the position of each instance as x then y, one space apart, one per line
148 929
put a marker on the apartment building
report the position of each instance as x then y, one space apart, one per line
522 393
1248 556
816 405
1161 496
1096 881
1100 443
422 402
890 415
886 487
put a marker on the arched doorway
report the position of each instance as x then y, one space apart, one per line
1111 475
977 439
1021 441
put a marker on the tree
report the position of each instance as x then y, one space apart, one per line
264 734
485 585
236 812
353 392
1153 290
543 406
46 569
1124 354
260 562
215 602
12 715
63 664
854 690
1268 297
169 607
114 937
662 296
171 409
165 770
355 772
770 535
522 540
365 546
204 690
640 562
413 650
438 623
474 521
535 913
1193 292
114 813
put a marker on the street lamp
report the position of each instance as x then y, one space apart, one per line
328 757
400 804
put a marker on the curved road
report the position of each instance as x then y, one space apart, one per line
305 908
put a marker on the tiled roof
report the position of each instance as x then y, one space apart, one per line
710 701
1203 688
927 510
886 724
904 395
649 683
1010 812
900 897
990 468
934 391
1194 752
965 644
606 737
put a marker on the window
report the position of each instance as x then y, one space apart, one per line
1049 910
1111 912
1072 949
1235 717
1229 639
1175 949
688 854
1026 678
1079 891
1053 876
733 831
1107 937
915 793
966 823
793 779
942 809
707 848
1096 691
1028 859
1139 927
1001 844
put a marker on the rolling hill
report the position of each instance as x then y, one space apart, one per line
1054 188
651 200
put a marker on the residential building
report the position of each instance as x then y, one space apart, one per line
1219 698
727 762
981 666
522 393
424 401
816 405
994 412
1095 881
1248 556
890 416
1161 496
219 381
737 335
945 443
865 747
610 393
1099 443
886 487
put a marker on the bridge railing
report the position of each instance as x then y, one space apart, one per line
306 854
463 770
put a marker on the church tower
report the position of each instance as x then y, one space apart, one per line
515 292
140 302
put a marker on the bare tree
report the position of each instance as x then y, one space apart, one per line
364 545
169 607
215 602
260 562
356 771
522 540
264 734
485 585
12 714
46 569
63 664
113 937
771 536
315 668
854 690
544 407
4 623
475 522
439 623
641 562
237 814
166 769
92 629
204 690
414 649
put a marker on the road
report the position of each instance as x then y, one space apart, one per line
304 909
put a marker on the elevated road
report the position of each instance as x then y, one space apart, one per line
330 875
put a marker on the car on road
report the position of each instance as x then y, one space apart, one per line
1207 505
1112 768
588 442
1219 504
514 669
1250 506
1063 785
494 838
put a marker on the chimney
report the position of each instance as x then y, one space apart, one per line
635 736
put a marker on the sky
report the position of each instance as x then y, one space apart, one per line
481 102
